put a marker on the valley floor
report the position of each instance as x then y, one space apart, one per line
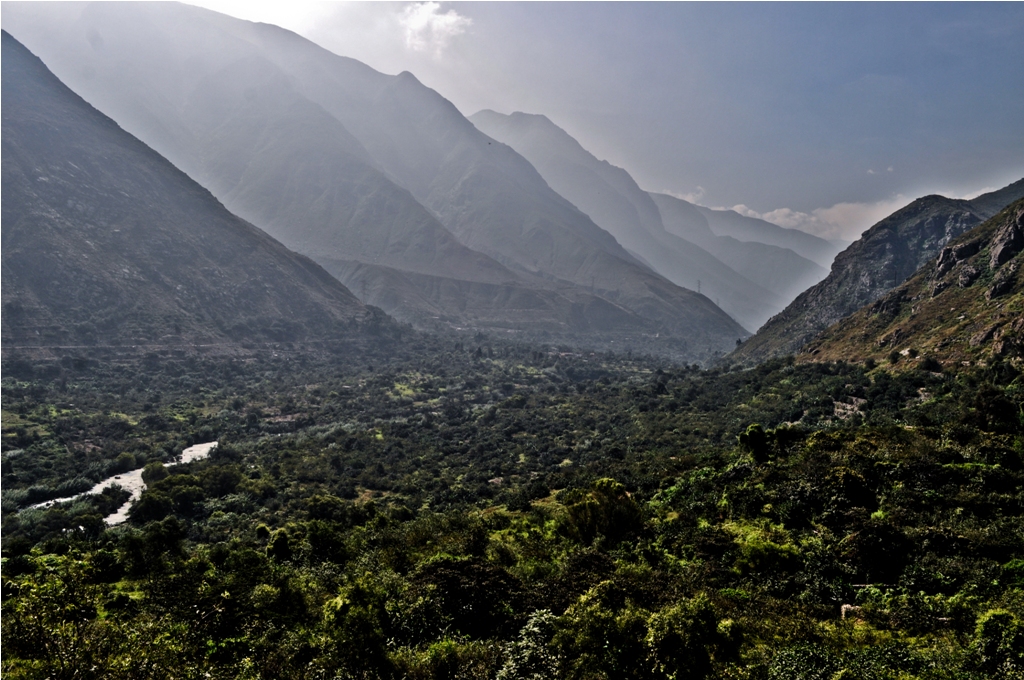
444 509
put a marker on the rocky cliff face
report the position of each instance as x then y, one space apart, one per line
886 255
966 304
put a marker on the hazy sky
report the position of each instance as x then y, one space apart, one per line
825 117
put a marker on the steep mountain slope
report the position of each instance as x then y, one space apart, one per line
160 69
610 196
488 195
743 228
780 270
237 125
994 201
967 304
282 162
107 243
884 256
606 193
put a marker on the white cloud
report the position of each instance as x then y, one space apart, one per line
427 29
692 197
843 220
388 36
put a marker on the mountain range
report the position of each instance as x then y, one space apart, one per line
377 177
751 229
105 243
740 262
500 222
883 257
610 196
779 269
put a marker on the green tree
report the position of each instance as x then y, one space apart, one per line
607 510
529 656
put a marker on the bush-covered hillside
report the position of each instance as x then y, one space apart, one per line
486 510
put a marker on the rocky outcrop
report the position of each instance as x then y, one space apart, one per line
967 276
1003 281
950 256
1008 242
965 305
885 256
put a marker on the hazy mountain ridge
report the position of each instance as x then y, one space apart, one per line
234 121
610 196
557 155
106 243
966 304
775 268
886 255
490 198
743 228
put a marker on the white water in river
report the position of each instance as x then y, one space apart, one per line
132 482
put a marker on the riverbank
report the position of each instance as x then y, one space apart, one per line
131 482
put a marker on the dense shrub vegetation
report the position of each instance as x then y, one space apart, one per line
487 510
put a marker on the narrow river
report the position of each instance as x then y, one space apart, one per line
132 482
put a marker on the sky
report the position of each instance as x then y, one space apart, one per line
823 117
